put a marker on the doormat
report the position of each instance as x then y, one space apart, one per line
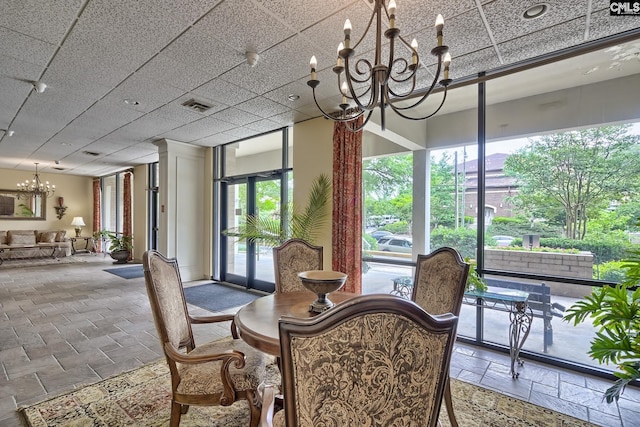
218 297
131 272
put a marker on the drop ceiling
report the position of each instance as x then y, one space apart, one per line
119 71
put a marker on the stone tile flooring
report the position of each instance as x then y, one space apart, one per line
64 326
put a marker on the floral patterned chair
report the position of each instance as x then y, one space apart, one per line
373 360
216 373
292 257
438 287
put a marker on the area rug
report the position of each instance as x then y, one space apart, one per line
131 272
218 297
142 398
38 262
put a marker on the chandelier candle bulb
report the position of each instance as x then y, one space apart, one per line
392 13
340 47
447 62
314 64
347 33
414 55
344 89
439 26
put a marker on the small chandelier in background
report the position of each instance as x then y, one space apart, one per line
378 78
35 188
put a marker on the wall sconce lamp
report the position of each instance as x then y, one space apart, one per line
78 222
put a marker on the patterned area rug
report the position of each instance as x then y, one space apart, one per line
142 398
39 262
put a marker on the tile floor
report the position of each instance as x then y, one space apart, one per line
63 326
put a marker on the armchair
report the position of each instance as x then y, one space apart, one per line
372 360
216 373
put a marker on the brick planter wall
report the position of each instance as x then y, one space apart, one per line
576 266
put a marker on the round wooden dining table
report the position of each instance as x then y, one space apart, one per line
257 322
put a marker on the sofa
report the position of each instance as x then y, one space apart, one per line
33 243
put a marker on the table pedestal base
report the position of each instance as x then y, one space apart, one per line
521 317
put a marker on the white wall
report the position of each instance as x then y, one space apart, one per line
182 207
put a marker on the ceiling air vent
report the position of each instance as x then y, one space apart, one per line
91 153
197 106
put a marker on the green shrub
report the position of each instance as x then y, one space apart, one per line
463 239
605 250
609 271
400 227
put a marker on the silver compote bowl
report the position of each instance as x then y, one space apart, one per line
322 283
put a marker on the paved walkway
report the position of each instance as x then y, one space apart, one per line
64 326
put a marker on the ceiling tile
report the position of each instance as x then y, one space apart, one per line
213 140
506 21
198 129
601 23
223 92
265 32
414 15
235 116
25 48
301 14
291 117
199 48
543 41
149 93
262 107
262 126
46 20
164 69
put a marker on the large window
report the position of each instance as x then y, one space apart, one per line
541 194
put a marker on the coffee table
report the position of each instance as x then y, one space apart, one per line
257 322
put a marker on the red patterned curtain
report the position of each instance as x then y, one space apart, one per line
97 219
126 202
347 205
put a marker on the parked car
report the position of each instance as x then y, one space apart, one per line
395 244
503 240
378 234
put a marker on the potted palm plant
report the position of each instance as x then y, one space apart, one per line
119 245
615 311
303 224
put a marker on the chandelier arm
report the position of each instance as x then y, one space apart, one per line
426 95
374 93
413 86
330 117
396 110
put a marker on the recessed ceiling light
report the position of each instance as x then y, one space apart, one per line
535 11
293 97
131 102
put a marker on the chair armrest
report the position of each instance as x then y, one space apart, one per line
218 318
268 404
211 319
227 357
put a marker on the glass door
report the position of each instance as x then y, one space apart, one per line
250 264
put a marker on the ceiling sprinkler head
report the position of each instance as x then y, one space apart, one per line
39 86
252 58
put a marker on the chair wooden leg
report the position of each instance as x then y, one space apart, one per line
448 401
176 410
255 408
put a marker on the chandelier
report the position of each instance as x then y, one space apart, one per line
35 188
370 86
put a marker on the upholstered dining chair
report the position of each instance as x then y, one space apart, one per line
216 373
438 287
372 360
292 257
